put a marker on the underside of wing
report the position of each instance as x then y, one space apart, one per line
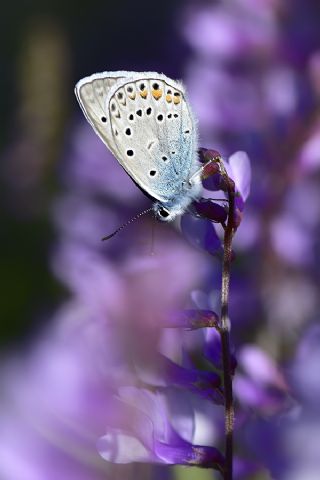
146 121
154 133
92 93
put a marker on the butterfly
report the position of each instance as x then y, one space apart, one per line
145 120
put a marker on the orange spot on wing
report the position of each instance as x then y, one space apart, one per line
132 96
144 94
176 100
157 94
169 98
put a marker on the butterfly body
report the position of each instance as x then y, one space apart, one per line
147 123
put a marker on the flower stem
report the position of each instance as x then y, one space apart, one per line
225 328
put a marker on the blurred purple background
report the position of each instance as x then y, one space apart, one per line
82 321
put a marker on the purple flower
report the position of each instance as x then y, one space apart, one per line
303 372
259 384
199 231
226 31
288 443
299 250
52 407
165 373
212 349
152 437
212 211
309 156
239 169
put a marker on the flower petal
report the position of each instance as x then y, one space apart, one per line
122 448
201 233
240 172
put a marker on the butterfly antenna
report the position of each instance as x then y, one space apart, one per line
133 219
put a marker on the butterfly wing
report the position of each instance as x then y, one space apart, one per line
146 121
91 93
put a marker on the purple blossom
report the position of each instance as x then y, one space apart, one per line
239 169
200 231
303 370
260 385
165 373
52 408
152 438
226 31
212 349
309 157
279 441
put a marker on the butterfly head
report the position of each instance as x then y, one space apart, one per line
168 211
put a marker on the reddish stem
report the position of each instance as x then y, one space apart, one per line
225 327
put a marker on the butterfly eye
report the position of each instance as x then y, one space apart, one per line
164 213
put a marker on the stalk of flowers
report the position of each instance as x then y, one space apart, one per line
165 374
